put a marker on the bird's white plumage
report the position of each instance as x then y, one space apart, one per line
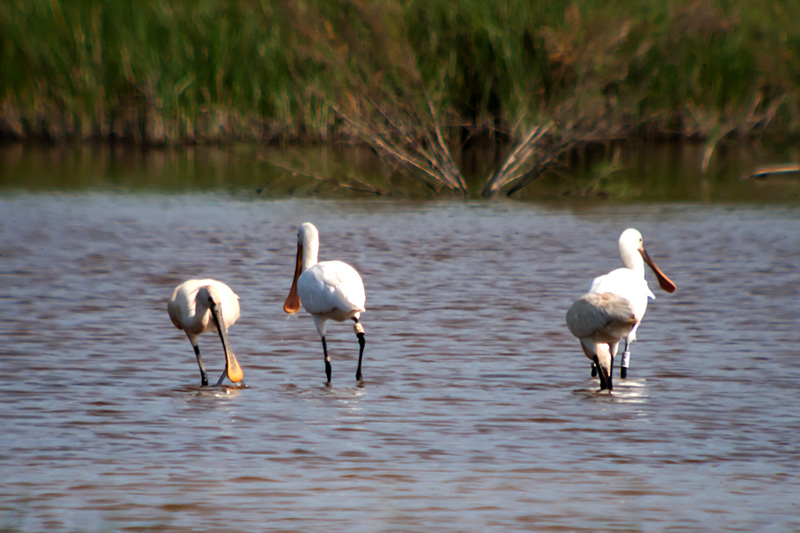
628 284
610 297
330 290
200 305
628 281
192 315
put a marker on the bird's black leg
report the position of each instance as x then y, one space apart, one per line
327 359
611 373
605 379
626 359
203 375
362 341
594 370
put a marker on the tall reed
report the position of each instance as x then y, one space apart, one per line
258 70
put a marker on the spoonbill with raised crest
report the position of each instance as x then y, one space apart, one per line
201 305
327 290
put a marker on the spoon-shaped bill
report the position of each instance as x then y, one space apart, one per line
663 281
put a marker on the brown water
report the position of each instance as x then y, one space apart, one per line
477 412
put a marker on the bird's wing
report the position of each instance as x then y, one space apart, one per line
231 310
174 310
617 281
624 282
597 283
331 285
592 313
180 306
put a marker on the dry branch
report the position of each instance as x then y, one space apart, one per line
761 173
523 164
410 142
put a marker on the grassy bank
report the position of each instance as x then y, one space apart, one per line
154 71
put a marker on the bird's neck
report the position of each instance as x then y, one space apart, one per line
310 254
633 260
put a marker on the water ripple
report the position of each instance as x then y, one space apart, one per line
477 411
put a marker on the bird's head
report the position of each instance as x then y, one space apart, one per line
632 251
209 296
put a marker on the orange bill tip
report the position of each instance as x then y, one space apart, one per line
235 373
292 303
664 282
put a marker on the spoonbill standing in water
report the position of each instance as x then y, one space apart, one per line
201 305
629 282
600 321
327 290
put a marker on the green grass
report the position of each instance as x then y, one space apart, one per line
155 71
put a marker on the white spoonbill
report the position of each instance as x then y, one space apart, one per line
201 305
327 290
629 282
600 320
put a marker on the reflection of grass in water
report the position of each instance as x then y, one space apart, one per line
641 173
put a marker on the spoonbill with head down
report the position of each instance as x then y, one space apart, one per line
629 282
201 305
327 290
